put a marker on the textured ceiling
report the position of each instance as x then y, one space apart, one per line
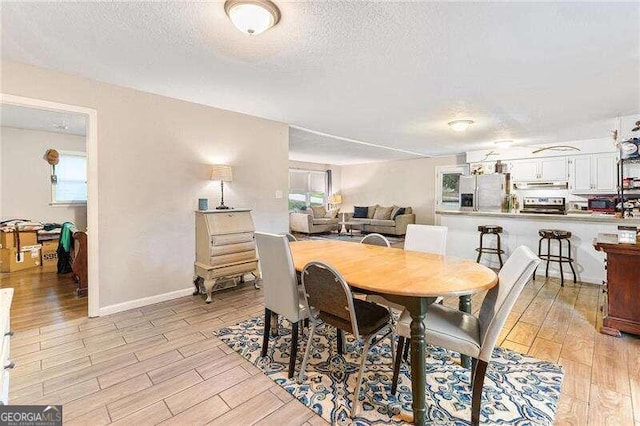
38 119
386 73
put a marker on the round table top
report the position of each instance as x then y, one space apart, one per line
389 270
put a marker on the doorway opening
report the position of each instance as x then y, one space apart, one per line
48 210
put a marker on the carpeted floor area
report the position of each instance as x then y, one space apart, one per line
355 238
519 389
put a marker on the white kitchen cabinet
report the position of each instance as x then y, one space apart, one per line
544 169
553 169
580 181
604 172
524 170
6 296
594 174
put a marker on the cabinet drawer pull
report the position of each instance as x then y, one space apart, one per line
9 333
10 366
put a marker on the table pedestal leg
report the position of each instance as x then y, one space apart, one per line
418 310
464 305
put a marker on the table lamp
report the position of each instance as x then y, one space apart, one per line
222 173
335 200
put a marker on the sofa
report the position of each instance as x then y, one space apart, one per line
315 220
384 220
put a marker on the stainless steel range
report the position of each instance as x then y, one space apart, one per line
544 205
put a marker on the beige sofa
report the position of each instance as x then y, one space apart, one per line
314 221
397 226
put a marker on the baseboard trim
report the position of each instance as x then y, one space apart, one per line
138 303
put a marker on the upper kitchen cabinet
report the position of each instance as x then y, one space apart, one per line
543 169
524 170
593 174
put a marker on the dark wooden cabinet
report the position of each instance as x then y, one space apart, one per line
622 304
79 262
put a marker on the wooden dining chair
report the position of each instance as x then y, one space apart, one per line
469 335
331 302
282 295
376 240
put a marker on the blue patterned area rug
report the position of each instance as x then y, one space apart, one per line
518 389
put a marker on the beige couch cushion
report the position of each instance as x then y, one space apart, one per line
362 221
318 212
383 222
371 211
324 221
383 213
332 213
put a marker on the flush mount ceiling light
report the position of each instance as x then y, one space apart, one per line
503 144
252 16
460 125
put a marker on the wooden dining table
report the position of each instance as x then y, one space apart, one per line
410 278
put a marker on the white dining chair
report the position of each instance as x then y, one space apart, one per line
282 295
470 335
290 237
426 239
331 302
375 240
422 238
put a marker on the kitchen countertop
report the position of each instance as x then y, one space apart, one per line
571 217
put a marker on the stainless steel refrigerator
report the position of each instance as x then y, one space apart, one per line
483 192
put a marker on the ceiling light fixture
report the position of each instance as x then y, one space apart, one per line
460 125
252 16
503 144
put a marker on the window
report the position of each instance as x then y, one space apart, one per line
70 185
448 189
307 188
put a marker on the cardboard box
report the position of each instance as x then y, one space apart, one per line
11 260
27 238
49 253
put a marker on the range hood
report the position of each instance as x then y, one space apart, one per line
541 185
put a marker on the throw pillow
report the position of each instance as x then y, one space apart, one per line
318 212
383 213
394 211
360 212
398 213
332 213
371 211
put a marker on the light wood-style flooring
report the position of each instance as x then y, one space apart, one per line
161 363
42 297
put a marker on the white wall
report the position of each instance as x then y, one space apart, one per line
25 176
405 183
153 159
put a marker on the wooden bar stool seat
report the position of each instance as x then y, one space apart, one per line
490 230
558 235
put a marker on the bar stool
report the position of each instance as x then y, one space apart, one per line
490 230
559 235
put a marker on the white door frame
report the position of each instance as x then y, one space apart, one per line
92 185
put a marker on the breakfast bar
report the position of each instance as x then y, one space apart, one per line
522 229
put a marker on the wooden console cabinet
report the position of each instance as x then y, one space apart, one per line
622 301
225 249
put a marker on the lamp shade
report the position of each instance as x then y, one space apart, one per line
335 199
221 173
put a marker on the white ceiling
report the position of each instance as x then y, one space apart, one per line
385 73
38 119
